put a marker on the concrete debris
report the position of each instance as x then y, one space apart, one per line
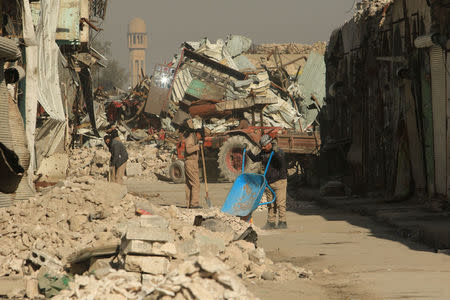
243 71
95 232
369 8
144 160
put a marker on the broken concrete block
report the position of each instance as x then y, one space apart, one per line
153 234
43 259
198 291
103 272
108 192
211 264
169 249
187 267
258 256
268 275
54 168
147 264
32 289
11 287
153 221
134 169
137 247
209 245
187 248
99 263
244 245
76 222
100 158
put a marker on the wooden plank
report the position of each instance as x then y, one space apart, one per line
438 82
448 122
427 123
415 146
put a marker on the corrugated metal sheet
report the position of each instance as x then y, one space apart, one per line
180 84
68 28
312 79
439 98
8 49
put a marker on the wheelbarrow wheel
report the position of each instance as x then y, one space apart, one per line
176 172
230 157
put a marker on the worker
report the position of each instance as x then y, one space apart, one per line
119 156
276 178
192 146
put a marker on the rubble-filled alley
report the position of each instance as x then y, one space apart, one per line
237 168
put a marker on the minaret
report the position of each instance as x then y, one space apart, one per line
137 43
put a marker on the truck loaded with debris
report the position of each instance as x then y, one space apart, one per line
274 89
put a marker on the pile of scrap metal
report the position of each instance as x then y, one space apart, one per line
219 83
52 38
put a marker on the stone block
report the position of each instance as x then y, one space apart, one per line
134 169
153 221
209 245
54 168
107 192
244 245
43 259
147 264
12 287
137 247
100 157
258 256
187 248
153 234
211 264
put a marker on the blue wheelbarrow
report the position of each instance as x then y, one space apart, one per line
246 193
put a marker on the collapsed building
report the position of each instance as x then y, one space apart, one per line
385 126
52 40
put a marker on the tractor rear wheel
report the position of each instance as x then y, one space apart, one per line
230 157
176 172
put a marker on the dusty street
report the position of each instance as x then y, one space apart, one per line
352 257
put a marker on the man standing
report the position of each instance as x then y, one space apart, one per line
119 156
191 165
277 179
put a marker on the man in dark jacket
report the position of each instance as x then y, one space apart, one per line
277 179
119 156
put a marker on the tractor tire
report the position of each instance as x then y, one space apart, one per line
176 172
230 157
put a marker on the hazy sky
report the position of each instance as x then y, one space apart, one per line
171 22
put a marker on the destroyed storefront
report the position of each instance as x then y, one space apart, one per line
53 40
384 127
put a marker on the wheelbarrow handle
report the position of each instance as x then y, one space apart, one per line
273 198
243 160
268 163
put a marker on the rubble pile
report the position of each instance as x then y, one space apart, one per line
168 252
211 81
289 48
73 214
368 8
144 160
169 257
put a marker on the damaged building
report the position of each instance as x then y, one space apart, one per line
44 87
385 126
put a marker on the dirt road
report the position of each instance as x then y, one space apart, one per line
351 256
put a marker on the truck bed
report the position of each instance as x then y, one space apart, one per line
299 142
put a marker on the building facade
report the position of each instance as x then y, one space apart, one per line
385 128
137 44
